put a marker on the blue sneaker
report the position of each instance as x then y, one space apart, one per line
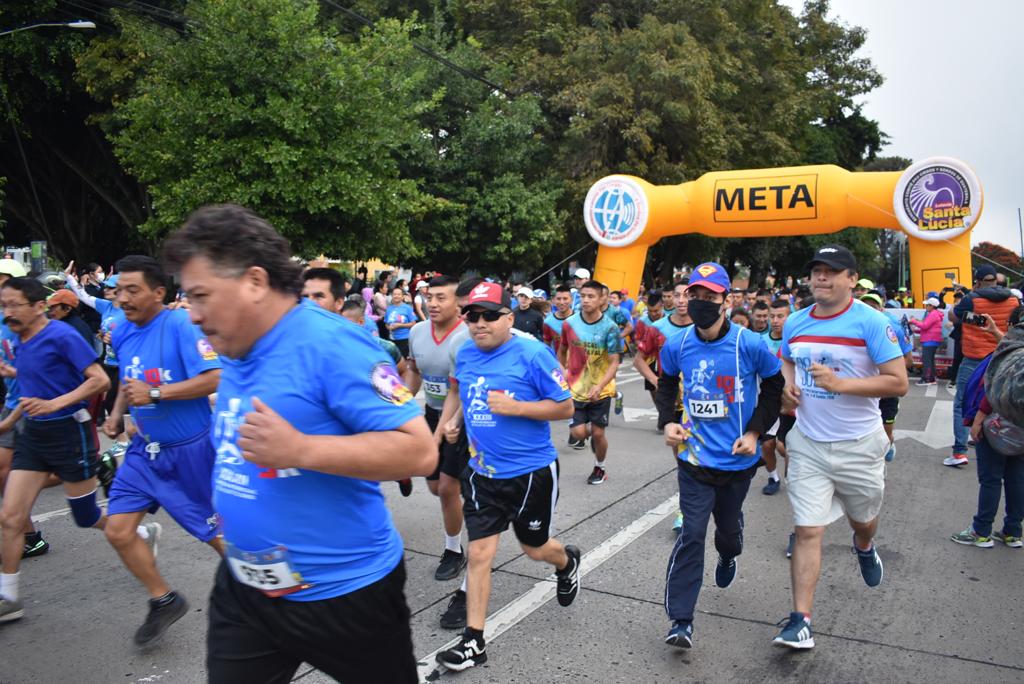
796 632
681 635
772 487
870 565
725 572
891 453
618 403
677 525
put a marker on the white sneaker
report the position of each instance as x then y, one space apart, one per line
10 610
155 530
956 460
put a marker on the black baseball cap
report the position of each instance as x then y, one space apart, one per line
835 256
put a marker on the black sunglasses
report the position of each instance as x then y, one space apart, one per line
489 316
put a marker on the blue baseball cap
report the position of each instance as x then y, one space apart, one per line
711 276
111 282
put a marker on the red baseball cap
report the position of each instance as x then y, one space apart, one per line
490 296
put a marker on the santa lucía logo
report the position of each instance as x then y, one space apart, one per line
937 199
615 211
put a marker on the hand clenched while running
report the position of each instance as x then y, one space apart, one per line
267 439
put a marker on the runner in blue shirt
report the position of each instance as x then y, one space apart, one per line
311 415
399 318
723 415
168 372
57 375
509 388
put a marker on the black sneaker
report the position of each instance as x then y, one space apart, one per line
454 616
35 545
159 619
452 563
469 652
405 486
569 577
597 476
106 470
578 444
725 572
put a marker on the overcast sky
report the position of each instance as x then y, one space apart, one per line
954 86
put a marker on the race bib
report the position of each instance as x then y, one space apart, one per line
435 386
706 409
269 571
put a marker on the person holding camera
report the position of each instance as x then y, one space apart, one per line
985 313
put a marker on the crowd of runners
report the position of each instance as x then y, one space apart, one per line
261 404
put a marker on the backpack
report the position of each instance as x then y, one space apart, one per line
1003 436
974 391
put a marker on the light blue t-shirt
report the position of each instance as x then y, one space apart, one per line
504 447
325 377
166 350
720 389
10 341
400 313
110 318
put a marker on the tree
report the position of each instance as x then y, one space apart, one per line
1005 260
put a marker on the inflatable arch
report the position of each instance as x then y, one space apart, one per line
935 202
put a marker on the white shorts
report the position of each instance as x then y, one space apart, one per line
826 479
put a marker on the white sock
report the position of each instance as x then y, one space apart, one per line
773 474
599 464
453 543
142 532
462 587
9 586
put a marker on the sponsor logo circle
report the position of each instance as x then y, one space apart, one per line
615 211
388 384
937 199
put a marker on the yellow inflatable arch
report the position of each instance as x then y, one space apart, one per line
936 202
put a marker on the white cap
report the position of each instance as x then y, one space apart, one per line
1016 293
12 268
422 283
524 292
933 301
582 273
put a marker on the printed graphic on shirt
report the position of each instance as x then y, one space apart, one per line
387 383
590 346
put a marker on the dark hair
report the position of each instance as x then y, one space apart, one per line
33 290
1016 315
593 285
443 281
759 306
764 293
653 297
361 269
466 286
152 272
351 304
89 268
564 288
780 303
742 313
336 280
235 239
686 284
807 302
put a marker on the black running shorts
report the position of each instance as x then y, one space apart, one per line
527 501
63 447
452 458
595 413
889 406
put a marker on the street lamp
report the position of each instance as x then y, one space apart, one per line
78 24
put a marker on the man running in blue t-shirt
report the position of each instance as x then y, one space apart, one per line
509 388
311 415
168 371
723 414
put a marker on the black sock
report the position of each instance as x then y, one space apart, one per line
470 633
33 537
163 601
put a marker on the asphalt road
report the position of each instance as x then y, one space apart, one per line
944 613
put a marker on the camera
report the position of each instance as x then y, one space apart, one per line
971 318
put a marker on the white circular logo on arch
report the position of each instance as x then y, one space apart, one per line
937 199
615 211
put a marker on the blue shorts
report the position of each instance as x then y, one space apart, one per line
178 479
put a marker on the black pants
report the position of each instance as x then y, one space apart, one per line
363 636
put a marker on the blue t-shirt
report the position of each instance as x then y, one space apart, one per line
720 388
9 342
400 313
166 350
504 447
325 377
773 345
900 328
52 363
110 318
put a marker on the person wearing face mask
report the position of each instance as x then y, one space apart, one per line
724 412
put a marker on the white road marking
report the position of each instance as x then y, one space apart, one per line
632 415
938 433
931 391
543 591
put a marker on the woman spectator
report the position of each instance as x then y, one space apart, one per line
930 329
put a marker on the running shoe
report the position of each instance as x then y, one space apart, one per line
578 444
155 530
924 383
890 455
677 526
405 486
681 635
1008 539
796 632
10 610
160 617
597 476
107 468
452 563
468 652
772 487
454 616
725 572
971 538
35 545
955 460
569 577
870 565
790 545
618 403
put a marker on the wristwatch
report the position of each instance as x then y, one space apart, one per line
154 395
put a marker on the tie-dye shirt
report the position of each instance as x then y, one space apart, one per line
589 347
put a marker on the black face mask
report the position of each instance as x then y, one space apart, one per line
703 313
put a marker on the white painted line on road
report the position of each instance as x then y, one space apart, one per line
938 433
634 378
511 614
931 391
